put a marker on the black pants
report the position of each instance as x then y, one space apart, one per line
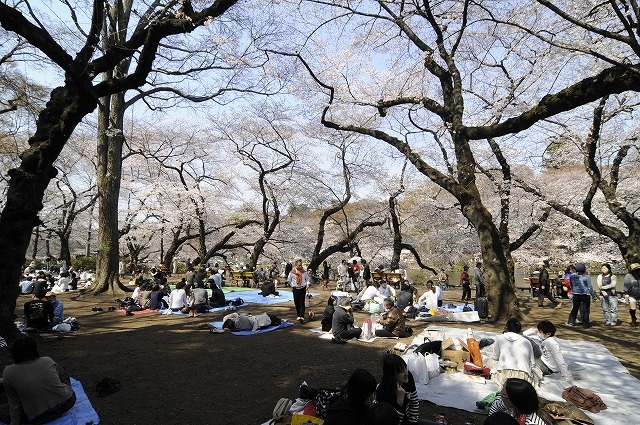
351 333
466 292
299 298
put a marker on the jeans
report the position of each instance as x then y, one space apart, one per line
581 302
610 309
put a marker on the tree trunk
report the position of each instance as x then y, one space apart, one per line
110 143
65 109
503 302
65 252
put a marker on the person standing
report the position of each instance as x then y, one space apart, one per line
582 294
466 284
342 274
325 275
607 282
366 272
544 286
298 279
632 290
478 280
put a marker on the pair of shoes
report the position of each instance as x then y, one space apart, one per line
338 340
111 308
216 330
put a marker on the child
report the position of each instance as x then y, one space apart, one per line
552 360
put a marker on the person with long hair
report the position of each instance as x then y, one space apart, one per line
327 315
519 399
37 389
399 390
298 279
355 399
607 282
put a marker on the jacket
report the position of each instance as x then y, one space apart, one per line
393 321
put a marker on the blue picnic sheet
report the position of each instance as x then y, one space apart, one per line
282 325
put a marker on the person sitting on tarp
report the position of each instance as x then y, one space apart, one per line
342 324
514 354
200 299
327 315
429 299
249 322
217 295
268 288
392 322
58 308
38 313
371 292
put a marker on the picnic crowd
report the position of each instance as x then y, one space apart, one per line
37 389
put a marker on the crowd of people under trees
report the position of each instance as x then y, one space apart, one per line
43 392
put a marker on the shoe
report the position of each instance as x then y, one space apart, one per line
128 313
634 324
107 386
571 324
338 340
301 320
216 330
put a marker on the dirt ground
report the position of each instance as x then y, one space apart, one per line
172 372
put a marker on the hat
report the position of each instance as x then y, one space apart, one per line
50 294
634 266
581 268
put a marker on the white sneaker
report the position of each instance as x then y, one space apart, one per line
216 330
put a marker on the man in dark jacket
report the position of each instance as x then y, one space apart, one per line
342 323
544 289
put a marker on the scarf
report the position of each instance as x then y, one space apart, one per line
298 271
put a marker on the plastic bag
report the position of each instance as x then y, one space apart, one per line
433 365
62 327
417 365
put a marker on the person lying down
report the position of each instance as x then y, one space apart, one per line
249 322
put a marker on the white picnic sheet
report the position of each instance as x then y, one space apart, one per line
598 369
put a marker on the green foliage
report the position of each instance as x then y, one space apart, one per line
87 263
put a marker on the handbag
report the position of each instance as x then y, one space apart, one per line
429 347
584 399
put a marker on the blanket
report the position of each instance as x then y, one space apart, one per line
81 413
598 369
271 328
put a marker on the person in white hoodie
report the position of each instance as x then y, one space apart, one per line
514 355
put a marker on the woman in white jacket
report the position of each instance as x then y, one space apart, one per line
607 287
514 355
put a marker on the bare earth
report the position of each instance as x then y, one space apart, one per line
173 373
